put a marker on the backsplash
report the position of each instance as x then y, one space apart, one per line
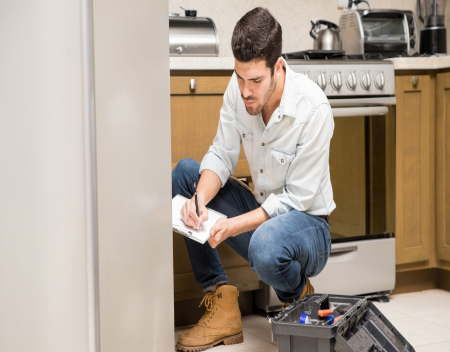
293 15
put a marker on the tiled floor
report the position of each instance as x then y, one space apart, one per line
423 318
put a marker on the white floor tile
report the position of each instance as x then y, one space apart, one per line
441 319
418 332
437 347
417 304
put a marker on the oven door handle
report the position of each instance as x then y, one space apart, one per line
360 111
343 250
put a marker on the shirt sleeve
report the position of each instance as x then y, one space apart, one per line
309 166
222 157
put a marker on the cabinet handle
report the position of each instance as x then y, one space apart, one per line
193 83
415 80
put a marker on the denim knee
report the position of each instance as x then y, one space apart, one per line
262 258
185 171
186 167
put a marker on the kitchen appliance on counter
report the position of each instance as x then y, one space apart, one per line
328 38
390 33
190 35
360 91
433 37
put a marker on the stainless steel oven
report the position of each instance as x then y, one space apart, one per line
362 259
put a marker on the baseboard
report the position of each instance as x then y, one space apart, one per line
444 279
421 280
416 280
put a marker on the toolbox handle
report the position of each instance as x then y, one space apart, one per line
343 250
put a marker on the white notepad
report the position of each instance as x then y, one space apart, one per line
200 235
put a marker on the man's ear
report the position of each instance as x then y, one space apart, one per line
278 67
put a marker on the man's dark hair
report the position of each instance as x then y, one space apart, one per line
257 36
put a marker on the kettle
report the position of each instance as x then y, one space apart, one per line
328 38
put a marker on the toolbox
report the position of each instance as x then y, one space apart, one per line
356 326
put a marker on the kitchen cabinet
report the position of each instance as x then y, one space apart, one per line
414 208
443 169
195 110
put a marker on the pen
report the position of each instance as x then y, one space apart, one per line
196 201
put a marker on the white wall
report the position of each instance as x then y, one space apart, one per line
134 175
293 15
43 250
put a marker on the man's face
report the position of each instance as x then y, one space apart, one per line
256 84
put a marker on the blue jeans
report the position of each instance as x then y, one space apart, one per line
283 251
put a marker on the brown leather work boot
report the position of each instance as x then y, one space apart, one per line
307 290
220 323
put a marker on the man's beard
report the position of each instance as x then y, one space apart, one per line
256 108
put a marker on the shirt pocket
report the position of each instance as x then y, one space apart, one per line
247 141
281 159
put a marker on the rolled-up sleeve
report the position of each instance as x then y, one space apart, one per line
309 166
223 155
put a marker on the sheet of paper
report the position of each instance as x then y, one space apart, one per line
200 235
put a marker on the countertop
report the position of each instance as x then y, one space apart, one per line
421 63
227 63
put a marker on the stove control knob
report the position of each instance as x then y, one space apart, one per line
322 80
351 81
379 81
336 81
365 82
306 73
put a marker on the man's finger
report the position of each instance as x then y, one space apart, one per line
194 217
204 213
184 212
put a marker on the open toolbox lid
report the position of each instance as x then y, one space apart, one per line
368 330
363 328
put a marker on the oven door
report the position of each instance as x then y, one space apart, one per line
358 171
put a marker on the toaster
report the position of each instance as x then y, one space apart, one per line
389 33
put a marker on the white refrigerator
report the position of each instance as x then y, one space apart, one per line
85 185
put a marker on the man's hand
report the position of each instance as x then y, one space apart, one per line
222 229
189 215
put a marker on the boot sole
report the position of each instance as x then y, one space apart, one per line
229 340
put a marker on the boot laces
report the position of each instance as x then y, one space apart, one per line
210 300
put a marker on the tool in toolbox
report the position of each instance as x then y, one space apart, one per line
305 319
323 313
357 326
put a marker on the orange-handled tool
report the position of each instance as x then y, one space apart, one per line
325 313
337 318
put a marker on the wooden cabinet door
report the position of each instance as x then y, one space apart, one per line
195 116
414 154
443 169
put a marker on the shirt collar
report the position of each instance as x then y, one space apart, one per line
287 103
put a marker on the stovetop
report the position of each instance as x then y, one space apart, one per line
334 55
328 55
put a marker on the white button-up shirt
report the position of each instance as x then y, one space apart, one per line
288 158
